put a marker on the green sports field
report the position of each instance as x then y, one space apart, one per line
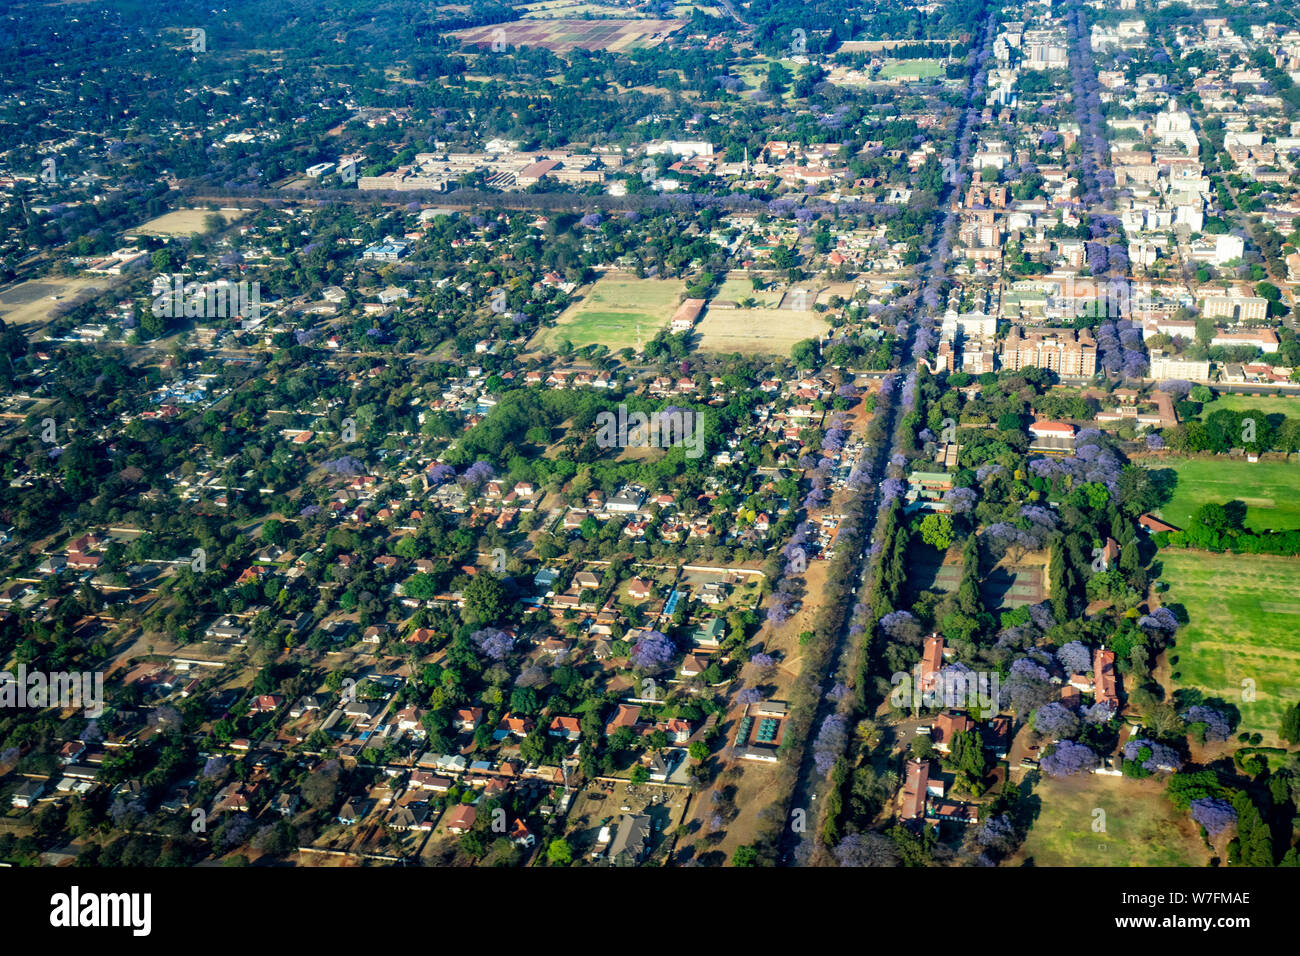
1268 404
1270 489
1141 826
610 313
922 68
1244 613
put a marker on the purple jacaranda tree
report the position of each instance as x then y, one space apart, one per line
1217 725
1055 720
1044 467
1098 713
1040 517
234 831
1067 758
493 643
1042 616
996 833
1176 388
533 676
866 849
831 740
750 695
961 500
344 466
1152 755
901 626
437 474
476 474
1213 814
1075 658
891 488
652 651
1161 619
1154 442
988 470
215 766
1027 687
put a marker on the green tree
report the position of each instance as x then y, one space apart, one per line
485 599
559 852
744 856
936 531
1290 729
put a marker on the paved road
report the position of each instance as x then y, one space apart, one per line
799 849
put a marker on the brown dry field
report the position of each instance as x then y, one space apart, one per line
30 302
187 222
768 331
560 36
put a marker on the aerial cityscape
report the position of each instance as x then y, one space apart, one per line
649 433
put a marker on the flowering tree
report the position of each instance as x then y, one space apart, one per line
652 651
901 626
996 833
345 466
830 743
1161 619
1098 713
1068 758
1215 815
1075 658
961 500
1027 687
1207 723
437 474
1055 720
476 474
493 643
1151 755
866 849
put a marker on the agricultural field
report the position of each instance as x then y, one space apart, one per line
758 331
611 311
1268 488
1244 613
187 222
1268 404
560 36
925 69
1142 828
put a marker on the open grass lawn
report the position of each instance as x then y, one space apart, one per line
1244 613
1270 489
610 312
921 68
1268 404
738 287
1142 828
